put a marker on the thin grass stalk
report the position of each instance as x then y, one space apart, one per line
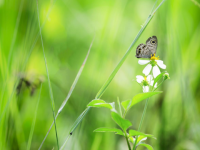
15 32
49 83
10 53
141 121
76 123
24 67
33 123
196 3
8 102
104 87
70 91
38 34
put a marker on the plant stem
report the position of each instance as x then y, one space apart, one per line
146 104
129 147
158 85
120 109
141 121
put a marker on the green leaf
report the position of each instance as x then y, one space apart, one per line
117 131
138 98
140 139
135 133
100 103
142 96
126 104
131 139
123 123
147 146
96 101
158 78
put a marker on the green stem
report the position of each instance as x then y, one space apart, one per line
129 147
120 109
158 85
141 121
146 104
143 114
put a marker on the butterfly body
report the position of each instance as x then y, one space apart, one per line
148 49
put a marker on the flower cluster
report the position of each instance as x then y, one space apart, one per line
153 66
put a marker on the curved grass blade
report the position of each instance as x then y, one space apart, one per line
104 87
70 91
49 82
75 125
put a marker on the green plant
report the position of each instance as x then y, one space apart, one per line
147 83
105 85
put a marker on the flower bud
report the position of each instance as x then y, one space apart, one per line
166 76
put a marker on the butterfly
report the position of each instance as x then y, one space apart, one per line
148 50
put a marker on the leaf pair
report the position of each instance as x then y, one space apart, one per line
126 104
137 98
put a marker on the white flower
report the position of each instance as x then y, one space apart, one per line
145 81
153 62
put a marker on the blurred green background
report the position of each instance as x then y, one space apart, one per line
172 117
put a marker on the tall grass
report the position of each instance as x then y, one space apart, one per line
49 82
70 92
173 117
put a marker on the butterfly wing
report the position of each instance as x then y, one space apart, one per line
152 43
142 51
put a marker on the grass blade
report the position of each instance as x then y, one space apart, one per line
70 91
49 83
26 61
196 3
15 32
104 87
33 123
75 125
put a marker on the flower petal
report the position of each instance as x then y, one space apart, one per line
145 89
151 82
159 61
147 69
143 62
139 78
156 71
155 85
161 64
149 78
